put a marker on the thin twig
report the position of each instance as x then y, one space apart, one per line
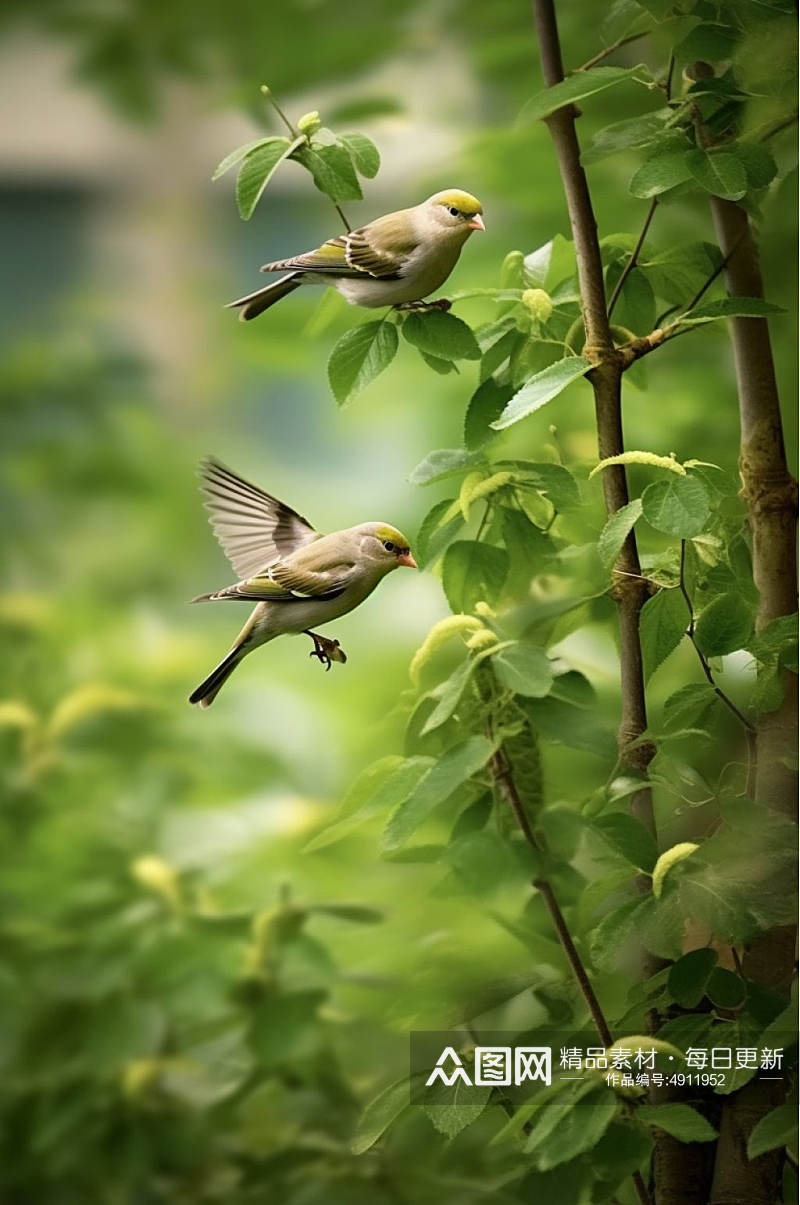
718 691
770 129
606 51
631 264
668 80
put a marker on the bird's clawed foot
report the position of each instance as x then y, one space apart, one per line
440 304
326 651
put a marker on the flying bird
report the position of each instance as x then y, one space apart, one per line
298 578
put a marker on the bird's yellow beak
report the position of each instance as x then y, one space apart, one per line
406 558
476 223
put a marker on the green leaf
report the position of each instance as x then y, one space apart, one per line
626 135
718 172
678 506
778 1128
541 388
576 87
567 1130
681 1121
240 153
662 626
724 626
616 530
363 152
452 769
359 356
332 170
432 537
689 976
450 696
378 796
257 170
609 940
758 162
659 173
552 480
730 307
473 572
464 1104
628 837
443 367
442 335
525 669
444 462
725 990
688 706
486 405
379 1115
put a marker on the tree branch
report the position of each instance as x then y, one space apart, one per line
631 264
607 50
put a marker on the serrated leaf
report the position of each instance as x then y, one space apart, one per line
659 173
724 626
473 572
379 1115
576 87
453 768
612 935
542 388
363 152
719 173
524 669
662 626
331 168
441 335
678 507
567 1130
450 696
359 356
778 1128
616 530
257 170
431 535
681 1121
465 1103
625 135
758 162
554 481
730 307
628 837
688 706
486 405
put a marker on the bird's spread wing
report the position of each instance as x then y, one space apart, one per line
378 250
286 584
253 528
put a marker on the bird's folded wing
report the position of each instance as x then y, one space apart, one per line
283 583
379 250
253 528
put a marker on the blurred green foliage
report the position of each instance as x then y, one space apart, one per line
194 1009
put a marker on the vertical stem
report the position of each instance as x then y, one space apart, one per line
771 496
630 590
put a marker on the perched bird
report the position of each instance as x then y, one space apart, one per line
396 260
298 578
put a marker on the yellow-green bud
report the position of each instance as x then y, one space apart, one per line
511 271
266 90
158 876
309 123
481 640
538 304
483 609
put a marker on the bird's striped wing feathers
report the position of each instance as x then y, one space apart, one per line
286 584
379 250
253 528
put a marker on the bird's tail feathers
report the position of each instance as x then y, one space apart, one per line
255 303
207 691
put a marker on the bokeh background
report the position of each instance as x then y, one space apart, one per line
140 837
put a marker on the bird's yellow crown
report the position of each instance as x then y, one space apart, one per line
463 201
392 535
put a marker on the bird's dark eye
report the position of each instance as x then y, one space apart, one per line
451 209
388 545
